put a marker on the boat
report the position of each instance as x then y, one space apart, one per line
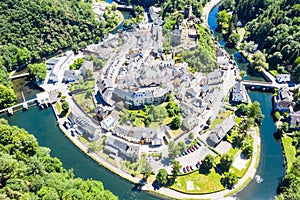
258 179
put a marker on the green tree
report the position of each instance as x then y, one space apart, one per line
174 150
147 169
191 135
242 109
277 116
207 165
176 166
7 97
225 162
65 106
247 151
162 177
176 123
259 61
255 112
233 39
229 179
38 71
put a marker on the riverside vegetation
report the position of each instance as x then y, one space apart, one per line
27 171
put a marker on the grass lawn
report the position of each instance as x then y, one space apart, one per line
83 85
233 151
220 118
274 72
86 103
107 158
202 183
58 106
241 173
289 151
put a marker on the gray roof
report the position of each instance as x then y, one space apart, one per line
220 131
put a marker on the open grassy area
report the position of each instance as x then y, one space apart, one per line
58 107
202 183
289 151
274 72
89 84
85 102
220 118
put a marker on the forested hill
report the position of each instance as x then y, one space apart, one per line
275 26
37 28
33 29
27 171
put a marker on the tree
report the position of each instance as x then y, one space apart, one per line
7 97
147 169
191 135
38 71
176 166
229 179
242 109
225 162
223 18
208 164
255 112
65 106
162 177
277 116
181 145
249 47
233 39
248 123
247 151
176 123
174 150
27 171
259 61
243 73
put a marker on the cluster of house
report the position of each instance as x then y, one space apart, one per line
284 102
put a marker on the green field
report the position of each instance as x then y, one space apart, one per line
289 151
202 184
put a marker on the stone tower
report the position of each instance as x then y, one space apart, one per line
187 11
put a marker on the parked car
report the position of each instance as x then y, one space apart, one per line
188 150
197 165
191 167
196 146
199 143
184 170
191 149
188 168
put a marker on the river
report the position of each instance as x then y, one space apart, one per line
271 166
42 124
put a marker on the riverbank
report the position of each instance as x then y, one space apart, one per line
95 157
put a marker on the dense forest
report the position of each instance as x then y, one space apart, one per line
274 26
27 171
33 29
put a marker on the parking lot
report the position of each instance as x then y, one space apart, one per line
192 158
